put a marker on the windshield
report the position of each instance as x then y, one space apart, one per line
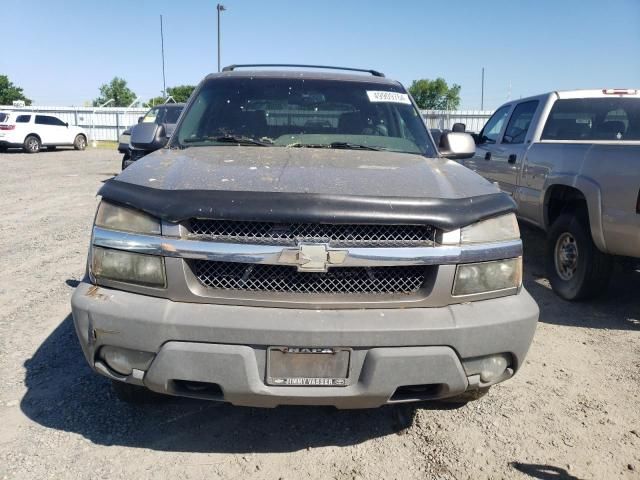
3 117
283 112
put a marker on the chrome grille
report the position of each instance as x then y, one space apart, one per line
336 235
284 279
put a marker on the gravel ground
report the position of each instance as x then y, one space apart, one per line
571 412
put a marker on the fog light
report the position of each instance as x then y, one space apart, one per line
124 360
490 368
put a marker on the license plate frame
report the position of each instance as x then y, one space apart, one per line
308 366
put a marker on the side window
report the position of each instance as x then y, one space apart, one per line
519 122
492 129
172 114
42 120
56 122
23 118
151 115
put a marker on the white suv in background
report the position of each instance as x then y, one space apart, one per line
31 131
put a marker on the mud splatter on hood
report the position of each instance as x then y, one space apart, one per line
305 170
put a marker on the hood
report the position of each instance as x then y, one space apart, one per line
305 170
272 184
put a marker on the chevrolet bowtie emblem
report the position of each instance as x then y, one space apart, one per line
312 258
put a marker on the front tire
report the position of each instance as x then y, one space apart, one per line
133 394
80 143
32 144
577 270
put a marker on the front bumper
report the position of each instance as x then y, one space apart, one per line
227 345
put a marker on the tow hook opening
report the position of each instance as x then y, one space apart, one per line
406 393
207 390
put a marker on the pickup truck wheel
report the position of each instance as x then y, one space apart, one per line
402 417
80 143
31 144
577 270
461 400
126 161
133 394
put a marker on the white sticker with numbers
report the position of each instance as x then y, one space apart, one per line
390 97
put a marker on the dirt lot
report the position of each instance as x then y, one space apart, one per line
572 412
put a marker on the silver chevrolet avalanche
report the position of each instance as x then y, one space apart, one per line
301 240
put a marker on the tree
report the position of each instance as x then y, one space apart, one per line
10 93
117 90
180 94
435 94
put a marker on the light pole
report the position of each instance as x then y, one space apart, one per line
164 82
220 8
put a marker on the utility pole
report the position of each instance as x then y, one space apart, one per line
164 82
220 8
482 92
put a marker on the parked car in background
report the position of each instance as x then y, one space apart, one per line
161 117
32 131
303 242
571 162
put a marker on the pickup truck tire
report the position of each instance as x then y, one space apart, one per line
133 394
461 400
126 161
577 270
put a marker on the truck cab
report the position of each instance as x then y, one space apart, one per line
570 157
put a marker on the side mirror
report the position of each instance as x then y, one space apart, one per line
148 137
66 124
459 127
457 145
140 119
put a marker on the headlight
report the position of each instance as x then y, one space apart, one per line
126 219
487 276
121 266
497 229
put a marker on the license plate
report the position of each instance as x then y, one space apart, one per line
300 366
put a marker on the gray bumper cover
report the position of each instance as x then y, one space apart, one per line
227 345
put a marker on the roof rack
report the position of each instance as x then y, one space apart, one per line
231 68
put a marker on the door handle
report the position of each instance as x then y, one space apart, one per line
512 158
487 156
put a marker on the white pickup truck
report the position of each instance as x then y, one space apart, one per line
571 161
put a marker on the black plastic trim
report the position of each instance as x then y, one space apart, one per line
180 205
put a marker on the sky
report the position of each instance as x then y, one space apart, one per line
60 52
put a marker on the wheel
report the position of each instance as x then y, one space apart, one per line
577 270
461 400
80 143
3 149
32 144
126 161
402 417
134 394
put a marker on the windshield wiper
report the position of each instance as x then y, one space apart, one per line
238 140
337 145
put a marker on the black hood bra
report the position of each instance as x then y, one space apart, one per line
179 205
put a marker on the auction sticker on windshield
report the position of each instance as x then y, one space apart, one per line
390 97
